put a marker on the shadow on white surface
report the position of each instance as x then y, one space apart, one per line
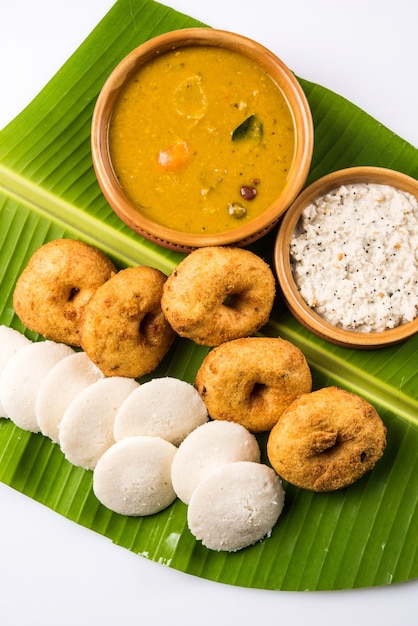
63 574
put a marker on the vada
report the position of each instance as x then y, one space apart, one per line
55 286
252 380
217 294
326 440
123 330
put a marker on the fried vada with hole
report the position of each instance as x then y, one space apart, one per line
123 329
326 440
217 294
252 380
55 286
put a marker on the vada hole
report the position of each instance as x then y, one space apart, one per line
257 393
323 442
148 329
73 293
229 301
232 300
335 448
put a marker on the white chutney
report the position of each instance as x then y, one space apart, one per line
354 257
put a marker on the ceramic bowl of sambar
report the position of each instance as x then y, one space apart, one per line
345 257
201 137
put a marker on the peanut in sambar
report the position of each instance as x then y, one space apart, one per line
201 139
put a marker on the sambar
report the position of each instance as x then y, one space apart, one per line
201 139
175 155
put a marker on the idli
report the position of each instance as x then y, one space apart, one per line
59 387
205 449
235 506
22 378
162 407
86 429
11 341
133 476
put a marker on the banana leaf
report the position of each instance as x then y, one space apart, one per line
365 535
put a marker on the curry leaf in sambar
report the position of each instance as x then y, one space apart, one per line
250 128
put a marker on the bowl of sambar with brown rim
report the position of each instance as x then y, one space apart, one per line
201 137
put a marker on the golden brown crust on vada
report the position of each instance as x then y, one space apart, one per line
217 294
326 440
252 380
123 330
55 286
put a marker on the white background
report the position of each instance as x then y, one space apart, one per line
51 570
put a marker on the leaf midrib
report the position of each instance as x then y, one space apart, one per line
133 252
111 241
346 374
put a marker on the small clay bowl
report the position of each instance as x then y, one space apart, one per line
102 161
297 305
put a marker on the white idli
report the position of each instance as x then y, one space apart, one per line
133 476
11 341
22 378
59 387
206 448
86 429
235 506
163 407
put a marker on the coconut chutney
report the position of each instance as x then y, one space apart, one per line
353 257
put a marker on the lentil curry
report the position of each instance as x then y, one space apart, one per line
201 139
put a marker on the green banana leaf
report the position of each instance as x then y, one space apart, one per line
366 535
